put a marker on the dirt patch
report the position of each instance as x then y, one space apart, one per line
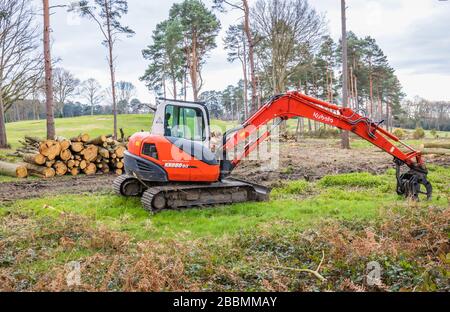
310 159
62 185
313 159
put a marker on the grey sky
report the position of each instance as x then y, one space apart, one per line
414 34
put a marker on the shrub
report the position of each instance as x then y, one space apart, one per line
419 133
434 133
399 133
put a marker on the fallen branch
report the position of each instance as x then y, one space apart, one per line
313 272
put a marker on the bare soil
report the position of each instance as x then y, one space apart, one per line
313 159
10 191
310 159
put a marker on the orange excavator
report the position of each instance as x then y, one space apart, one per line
173 167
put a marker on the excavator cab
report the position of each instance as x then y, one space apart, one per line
177 148
183 120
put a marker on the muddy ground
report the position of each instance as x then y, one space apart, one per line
310 160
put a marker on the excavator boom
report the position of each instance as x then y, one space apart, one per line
294 104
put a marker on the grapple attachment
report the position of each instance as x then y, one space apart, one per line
413 183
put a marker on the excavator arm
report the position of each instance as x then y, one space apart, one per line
294 104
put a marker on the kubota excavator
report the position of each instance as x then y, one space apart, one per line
173 167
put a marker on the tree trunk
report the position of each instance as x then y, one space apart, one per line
371 89
251 58
51 133
3 138
174 86
244 69
111 67
345 142
194 67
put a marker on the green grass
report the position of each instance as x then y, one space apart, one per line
94 125
298 204
234 247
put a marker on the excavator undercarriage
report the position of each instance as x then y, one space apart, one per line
186 195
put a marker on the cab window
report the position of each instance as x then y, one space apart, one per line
184 122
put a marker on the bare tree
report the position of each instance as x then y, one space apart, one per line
20 66
244 7
345 142
91 90
51 133
125 91
284 29
236 45
107 14
64 86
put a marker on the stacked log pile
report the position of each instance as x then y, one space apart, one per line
48 158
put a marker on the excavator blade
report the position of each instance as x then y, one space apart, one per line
227 191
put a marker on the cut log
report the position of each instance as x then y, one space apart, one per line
13 170
118 171
75 139
90 152
437 145
84 137
119 165
74 171
77 147
71 164
33 140
65 144
29 150
35 159
77 163
105 169
50 163
90 169
82 164
65 155
81 138
50 149
98 140
103 152
60 168
40 171
119 151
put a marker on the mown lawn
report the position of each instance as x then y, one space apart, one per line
352 218
94 125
